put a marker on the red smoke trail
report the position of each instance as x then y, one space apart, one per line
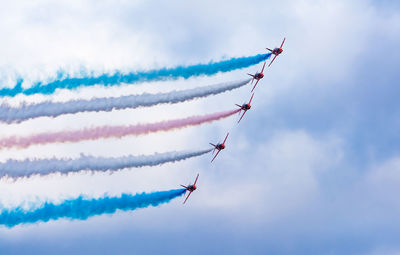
110 131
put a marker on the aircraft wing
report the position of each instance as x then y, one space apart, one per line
254 86
225 138
187 196
272 61
262 70
196 179
283 42
242 116
215 156
251 98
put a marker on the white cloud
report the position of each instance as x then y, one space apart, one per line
382 182
272 179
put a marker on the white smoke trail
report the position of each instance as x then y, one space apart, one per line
26 168
10 114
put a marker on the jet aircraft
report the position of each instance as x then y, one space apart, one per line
219 147
190 188
276 51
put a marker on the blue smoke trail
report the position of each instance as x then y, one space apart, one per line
136 77
81 208
26 168
10 114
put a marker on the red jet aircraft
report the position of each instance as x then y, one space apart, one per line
276 51
257 76
190 188
245 107
219 147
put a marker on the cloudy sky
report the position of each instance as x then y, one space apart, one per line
313 168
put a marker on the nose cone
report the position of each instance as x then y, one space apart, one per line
249 106
261 75
194 187
223 146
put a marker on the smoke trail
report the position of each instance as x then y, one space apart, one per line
81 208
26 168
110 131
9 114
136 77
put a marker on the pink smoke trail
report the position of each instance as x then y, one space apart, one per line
110 131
